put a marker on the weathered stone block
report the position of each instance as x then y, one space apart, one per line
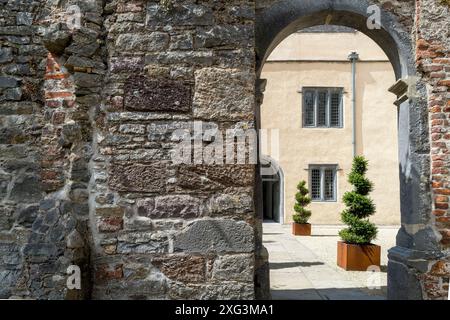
238 58
202 58
24 18
4 181
40 252
180 15
6 218
214 177
441 268
231 204
132 128
173 206
86 80
110 224
136 17
75 240
153 288
242 11
106 272
27 215
215 236
182 42
223 94
126 64
83 44
8 278
183 268
7 82
137 177
229 36
6 54
156 71
56 40
403 283
155 41
232 291
26 189
143 94
165 131
183 291
142 242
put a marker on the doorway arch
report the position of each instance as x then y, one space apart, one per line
417 240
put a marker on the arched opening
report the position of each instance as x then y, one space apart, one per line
273 190
282 19
308 99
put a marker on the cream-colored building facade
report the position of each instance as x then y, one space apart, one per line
308 98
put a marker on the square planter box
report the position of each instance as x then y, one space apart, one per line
303 229
354 257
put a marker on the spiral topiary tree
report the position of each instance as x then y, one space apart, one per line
302 200
359 206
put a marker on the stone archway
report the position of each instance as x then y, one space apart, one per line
417 243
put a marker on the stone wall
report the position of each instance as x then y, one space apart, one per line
163 230
48 90
22 67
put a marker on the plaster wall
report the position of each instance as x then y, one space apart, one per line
287 71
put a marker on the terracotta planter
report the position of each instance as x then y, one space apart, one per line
355 257
301 229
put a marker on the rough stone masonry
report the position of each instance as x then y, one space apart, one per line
87 116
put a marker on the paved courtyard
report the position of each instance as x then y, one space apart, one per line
304 268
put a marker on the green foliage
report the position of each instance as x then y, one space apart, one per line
302 200
359 206
362 185
360 165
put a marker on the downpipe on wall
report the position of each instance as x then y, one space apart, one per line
353 57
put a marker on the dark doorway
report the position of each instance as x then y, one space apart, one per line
272 191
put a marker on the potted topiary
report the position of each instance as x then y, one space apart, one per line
300 226
356 252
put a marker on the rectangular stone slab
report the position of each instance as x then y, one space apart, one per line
143 94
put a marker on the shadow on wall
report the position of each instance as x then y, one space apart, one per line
330 294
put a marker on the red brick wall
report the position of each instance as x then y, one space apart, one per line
59 100
433 62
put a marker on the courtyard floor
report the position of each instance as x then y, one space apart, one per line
304 268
